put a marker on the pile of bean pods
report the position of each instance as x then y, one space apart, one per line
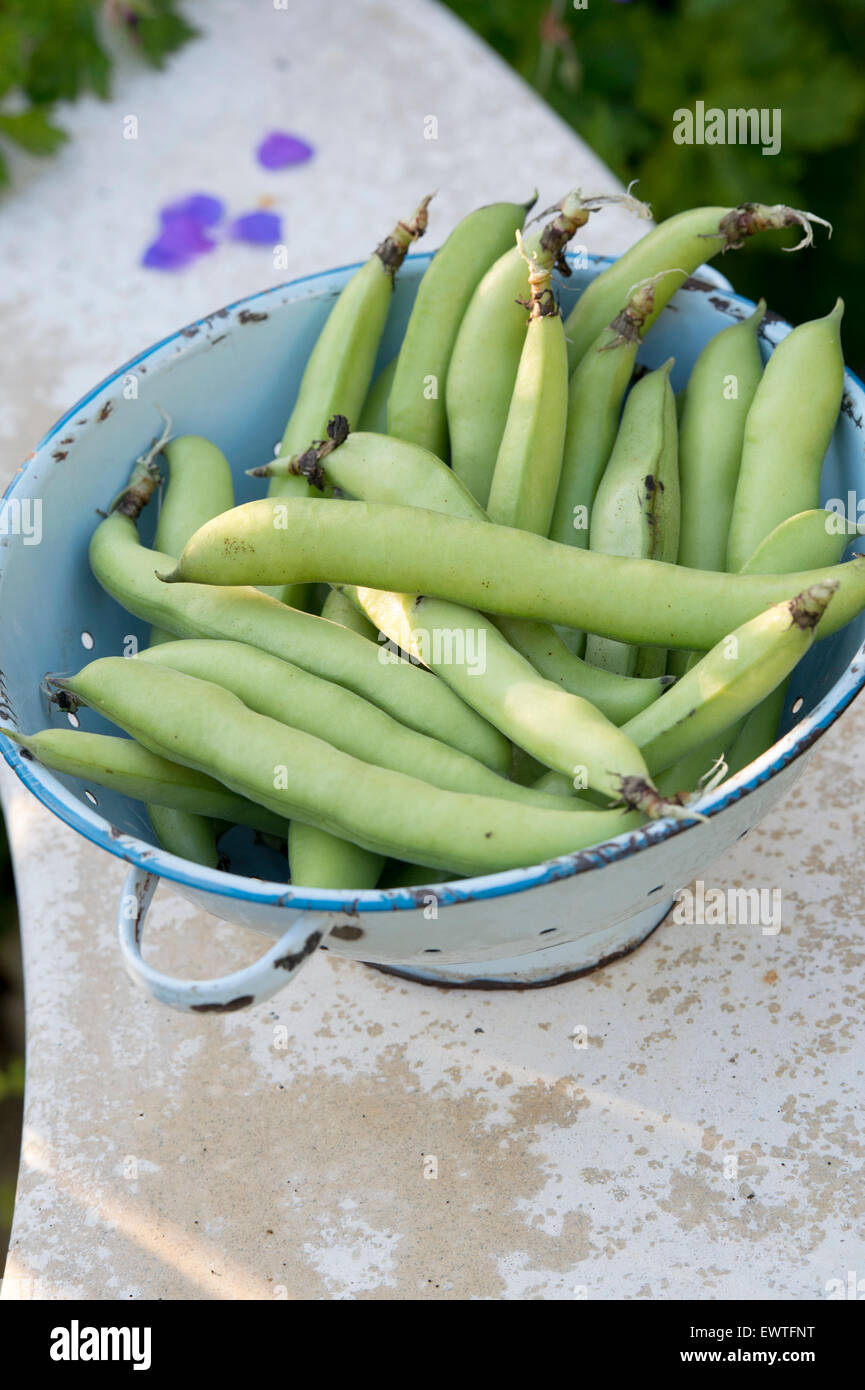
504 601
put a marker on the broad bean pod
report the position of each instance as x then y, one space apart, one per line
730 680
295 697
493 568
813 538
374 413
377 469
529 460
486 354
123 766
416 405
199 487
339 368
560 730
636 507
787 432
318 859
127 571
299 777
595 394
718 396
680 244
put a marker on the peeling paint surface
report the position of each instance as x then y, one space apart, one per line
363 1137
686 1122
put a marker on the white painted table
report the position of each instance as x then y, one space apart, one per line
179 1157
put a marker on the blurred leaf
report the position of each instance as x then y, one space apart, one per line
12 1078
67 57
7 1202
51 51
640 62
32 131
160 32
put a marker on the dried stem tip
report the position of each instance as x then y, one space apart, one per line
807 608
629 323
144 478
572 214
640 795
749 218
541 302
55 690
392 251
308 464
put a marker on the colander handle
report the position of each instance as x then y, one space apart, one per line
228 993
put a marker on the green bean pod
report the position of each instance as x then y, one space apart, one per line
718 396
529 460
416 406
595 394
682 243
816 539
374 413
636 507
716 402
339 609
376 469
300 777
757 732
618 697
662 510
560 730
399 875
127 571
493 568
294 697
486 354
318 859
554 784
339 368
811 538
730 680
123 766
200 487
787 433
187 835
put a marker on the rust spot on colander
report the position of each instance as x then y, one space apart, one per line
347 933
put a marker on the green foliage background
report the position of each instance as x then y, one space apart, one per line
617 71
55 50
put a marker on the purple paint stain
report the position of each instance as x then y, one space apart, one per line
260 228
183 236
203 208
181 240
279 150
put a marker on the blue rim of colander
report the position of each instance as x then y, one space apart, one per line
64 804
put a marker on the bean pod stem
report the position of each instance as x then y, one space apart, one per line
685 241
